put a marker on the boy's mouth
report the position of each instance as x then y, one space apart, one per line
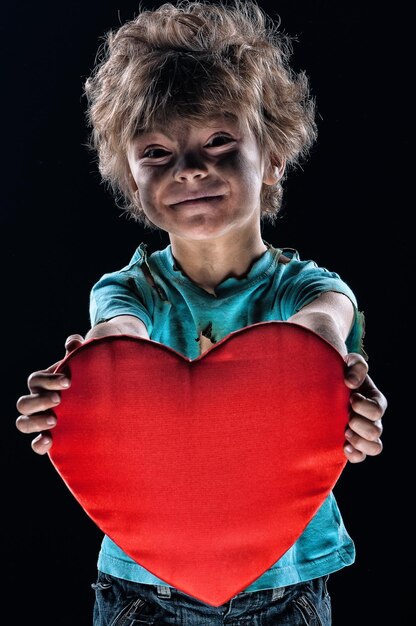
187 195
195 200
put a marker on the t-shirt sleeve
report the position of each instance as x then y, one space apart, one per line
119 293
305 281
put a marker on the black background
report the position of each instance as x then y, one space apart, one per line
348 208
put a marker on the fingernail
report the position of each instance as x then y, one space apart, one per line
64 382
51 421
55 397
348 433
348 449
45 441
353 379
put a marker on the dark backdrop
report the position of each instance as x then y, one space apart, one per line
346 208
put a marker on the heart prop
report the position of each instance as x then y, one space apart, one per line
204 471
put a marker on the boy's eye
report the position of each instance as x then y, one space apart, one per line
219 141
155 152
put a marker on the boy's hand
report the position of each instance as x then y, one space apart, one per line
45 387
368 406
45 393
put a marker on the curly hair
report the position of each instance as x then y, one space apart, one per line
194 59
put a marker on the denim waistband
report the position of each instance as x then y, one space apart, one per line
238 605
151 604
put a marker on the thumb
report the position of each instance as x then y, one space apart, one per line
72 342
357 368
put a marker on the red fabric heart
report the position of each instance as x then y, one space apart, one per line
205 472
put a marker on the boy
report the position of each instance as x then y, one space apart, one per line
196 117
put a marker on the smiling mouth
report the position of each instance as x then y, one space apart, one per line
201 200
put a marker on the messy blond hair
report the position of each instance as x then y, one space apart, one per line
195 59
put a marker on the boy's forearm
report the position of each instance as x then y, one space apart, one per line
120 325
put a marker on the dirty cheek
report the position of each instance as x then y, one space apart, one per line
244 162
245 169
147 192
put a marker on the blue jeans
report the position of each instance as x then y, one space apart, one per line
124 603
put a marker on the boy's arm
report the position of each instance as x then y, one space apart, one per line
45 386
120 325
331 315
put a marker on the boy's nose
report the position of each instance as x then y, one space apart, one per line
189 168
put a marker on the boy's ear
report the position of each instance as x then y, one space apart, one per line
274 170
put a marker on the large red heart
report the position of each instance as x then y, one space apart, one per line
204 471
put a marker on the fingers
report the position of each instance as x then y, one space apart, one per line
353 455
35 423
72 342
376 401
42 444
37 415
367 429
46 381
36 409
368 406
364 429
357 369
37 402
368 445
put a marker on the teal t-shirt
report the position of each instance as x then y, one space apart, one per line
176 312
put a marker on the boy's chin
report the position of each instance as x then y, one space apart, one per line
202 232
192 227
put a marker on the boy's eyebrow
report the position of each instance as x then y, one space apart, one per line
153 131
216 122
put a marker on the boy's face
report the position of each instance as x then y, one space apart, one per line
199 181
